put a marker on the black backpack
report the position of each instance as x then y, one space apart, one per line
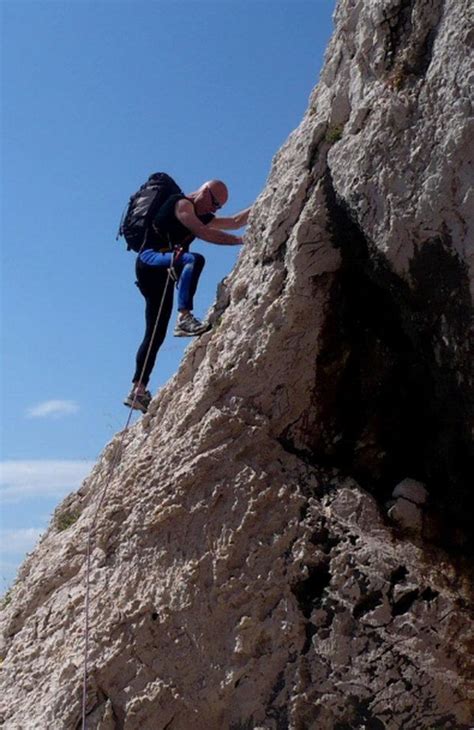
143 206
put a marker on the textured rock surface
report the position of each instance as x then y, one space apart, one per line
245 573
412 490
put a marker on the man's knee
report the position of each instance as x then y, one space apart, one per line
197 259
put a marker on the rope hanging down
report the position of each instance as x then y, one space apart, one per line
171 276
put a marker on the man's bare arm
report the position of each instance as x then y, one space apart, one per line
233 222
184 212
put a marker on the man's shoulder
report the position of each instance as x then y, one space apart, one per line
182 204
183 201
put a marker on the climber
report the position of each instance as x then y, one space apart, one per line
179 220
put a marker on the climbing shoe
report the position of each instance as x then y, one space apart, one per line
189 326
138 401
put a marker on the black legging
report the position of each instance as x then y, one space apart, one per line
151 280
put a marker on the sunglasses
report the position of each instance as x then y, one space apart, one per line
214 200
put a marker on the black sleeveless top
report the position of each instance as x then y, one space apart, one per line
168 230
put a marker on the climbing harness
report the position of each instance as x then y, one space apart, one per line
171 276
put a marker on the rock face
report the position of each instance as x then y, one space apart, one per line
246 572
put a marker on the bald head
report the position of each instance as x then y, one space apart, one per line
211 196
218 190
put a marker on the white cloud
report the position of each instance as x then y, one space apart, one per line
53 409
21 480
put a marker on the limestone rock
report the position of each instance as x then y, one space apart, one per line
412 490
407 515
244 573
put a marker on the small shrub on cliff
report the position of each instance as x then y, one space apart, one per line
334 134
65 520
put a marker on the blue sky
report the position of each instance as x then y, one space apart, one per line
96 96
